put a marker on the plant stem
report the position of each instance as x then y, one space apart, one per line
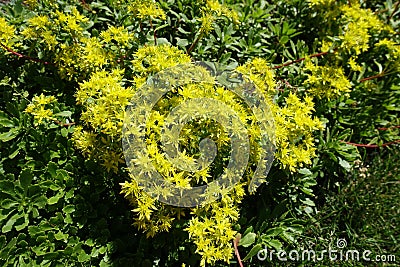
385 129
23 56
381 74
394 10
154 32
301 59
371 145
195 43
235 244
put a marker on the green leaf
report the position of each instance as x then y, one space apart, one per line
64 132
83 257
288 237
163 41
40 201
7 136
4 253
273 231
308 202
247 240
18 7
50 255
182 42
253 252
52 168
8 226
6 123
56 198
2 241
61 236
14 154
296 228
275 244
69 209
34 230
248 230
305 171
8 203
24 224
344 164
7 186
25 178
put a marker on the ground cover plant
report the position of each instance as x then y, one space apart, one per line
327 72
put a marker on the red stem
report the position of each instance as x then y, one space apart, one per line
154 32
385 129
85 5
235 244
300 59
373 77
23 56
372 146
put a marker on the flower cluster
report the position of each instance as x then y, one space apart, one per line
152 59
212 227
294 126
39 108
258 72
6 32
104 99
146 9
326 81
31 3
81 53
393 51
106 88
321 2
212 11
358 23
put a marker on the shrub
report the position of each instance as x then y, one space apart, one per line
75 73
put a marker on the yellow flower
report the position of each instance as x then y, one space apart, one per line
152 59
38 108
353 64
144 9
119 34
6 32
326 81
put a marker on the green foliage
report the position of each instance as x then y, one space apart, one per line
69 68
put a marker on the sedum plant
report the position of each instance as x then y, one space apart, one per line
108 52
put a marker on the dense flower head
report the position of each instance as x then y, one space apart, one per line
257 71
151 59
118 34
146 9
219 10
326 81
212 227
6 32
104 99
393 49
358 24
40 108
104 96
321 2
294 132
